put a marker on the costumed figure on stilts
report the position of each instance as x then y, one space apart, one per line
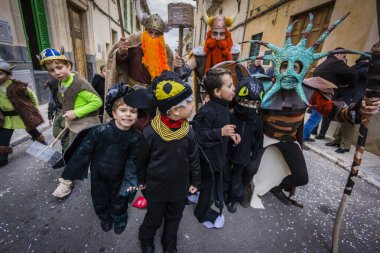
139 58
281 165
218 47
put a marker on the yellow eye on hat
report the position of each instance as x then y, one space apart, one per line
168 89
243 92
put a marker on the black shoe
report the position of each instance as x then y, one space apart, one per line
218 204
106 225
119 227
3 163
309 139
332 144
231 207
319 137
277 191
147 248
342 150
247 196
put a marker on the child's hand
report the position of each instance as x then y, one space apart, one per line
193 189
70 115
132 188
142 186
206 100
228 130
236 138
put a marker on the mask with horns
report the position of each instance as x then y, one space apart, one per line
154 21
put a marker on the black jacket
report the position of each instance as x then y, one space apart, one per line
110 151
361 85
168 168
211 118
337 72
98 82
250 127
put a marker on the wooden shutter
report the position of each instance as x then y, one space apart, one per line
40 23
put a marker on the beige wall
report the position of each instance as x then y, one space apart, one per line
358 31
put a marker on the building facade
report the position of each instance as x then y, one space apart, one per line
84 29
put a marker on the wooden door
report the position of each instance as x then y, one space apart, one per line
76 32
321 20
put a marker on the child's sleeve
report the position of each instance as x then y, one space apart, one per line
195 169
208 134
93 103
77 166
142 160
130 171
32 97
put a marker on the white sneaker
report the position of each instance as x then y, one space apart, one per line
193 198
63 189
219 222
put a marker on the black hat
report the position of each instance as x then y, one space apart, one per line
248 87
117 91
169 90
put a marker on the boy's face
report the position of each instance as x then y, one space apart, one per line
58 70
227 91
104 71
125 116
184 112
4 76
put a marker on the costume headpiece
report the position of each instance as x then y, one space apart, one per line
248 88
289 79
117 91
51 54
6 67
219 21
153 21
169 90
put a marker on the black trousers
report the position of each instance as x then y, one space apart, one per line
324 126
158 211
293 156
233 182
6 136
107 204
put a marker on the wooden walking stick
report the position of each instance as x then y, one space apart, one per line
120 18
372 95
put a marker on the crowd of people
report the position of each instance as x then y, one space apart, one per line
147 142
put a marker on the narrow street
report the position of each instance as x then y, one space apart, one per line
32 220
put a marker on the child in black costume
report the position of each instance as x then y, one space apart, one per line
111 148
168 165
213 129
250 127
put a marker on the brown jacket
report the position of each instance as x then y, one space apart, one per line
27 111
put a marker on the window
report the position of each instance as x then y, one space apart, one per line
35 27
255 48
321 20
267 52
114 37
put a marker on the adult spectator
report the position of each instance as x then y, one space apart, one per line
256 68
98 82
335 70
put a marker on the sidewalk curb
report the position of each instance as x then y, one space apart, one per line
339 162
26 136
